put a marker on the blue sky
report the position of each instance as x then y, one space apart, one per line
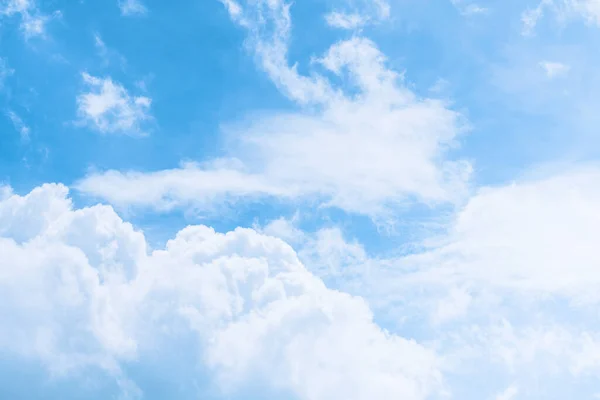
317 200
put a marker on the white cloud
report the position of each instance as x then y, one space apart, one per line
100 46
5 192
33 21
132 7
109 108
509 393
474 9
531 261
189 186
19 125
345 21
356 14
530 18
106 54
300 156
5 71
453 306
269 27
234 9
525 252
467 8
366 151
512 240
554 69
80 290
588 10
547 349
530 237
331 256
284 229
510 292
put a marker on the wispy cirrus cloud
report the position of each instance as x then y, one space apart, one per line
20 126
355 15
395 139
5 71
563 10
132 7
33 20
345 21
468 8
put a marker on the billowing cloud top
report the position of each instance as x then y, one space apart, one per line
82 290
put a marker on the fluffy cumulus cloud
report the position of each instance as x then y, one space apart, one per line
107 107
511 284
403 245
397 140
82 290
